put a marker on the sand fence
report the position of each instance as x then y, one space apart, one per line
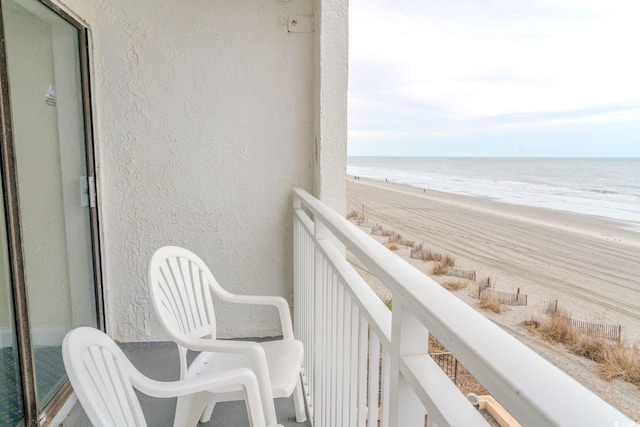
397 238
506 298
609 331
459 272
486 290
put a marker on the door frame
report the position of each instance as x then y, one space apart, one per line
35 416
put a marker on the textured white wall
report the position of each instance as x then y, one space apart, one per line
332 61
205 114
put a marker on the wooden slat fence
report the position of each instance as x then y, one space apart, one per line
459 272
482 285
425 254
399 240
612 332
507 298
604 330
378 230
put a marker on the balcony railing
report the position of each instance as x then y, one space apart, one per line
364 362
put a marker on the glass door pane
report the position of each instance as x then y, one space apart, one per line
47 110
11 409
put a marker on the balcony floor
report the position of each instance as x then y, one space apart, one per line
160 361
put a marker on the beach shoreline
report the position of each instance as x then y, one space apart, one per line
589 265
591 225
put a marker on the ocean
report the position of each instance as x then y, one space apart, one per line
606 187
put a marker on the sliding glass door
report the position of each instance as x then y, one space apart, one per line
53 215
11 405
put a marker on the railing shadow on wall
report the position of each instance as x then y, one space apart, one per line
359 355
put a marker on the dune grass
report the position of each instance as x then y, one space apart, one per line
448 261
438 269
353 214
621 362
592 348
454 285
490 304
614 360
427 255
558 329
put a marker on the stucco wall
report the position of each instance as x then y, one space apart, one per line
332 61
205 118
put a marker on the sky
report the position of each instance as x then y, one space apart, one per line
494 78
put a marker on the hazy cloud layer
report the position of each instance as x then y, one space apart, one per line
515 78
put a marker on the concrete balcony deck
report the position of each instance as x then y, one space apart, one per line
160 361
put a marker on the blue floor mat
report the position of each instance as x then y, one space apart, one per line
49 369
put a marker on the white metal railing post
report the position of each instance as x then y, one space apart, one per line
320 232
299 290
298 301
304 297
362 371
409 337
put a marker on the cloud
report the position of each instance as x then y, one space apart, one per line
367 135
603 114
425 67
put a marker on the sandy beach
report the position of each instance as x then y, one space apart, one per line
591 265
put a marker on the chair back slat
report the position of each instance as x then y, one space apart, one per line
176 294
101 383
181 294
203 299
126 399
104 386
188 293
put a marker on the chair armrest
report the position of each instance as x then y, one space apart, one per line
166 389
279 302
250 348
209 383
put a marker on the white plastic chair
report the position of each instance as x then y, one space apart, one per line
182 290
104 381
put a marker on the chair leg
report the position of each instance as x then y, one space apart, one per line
253 403
206 414
298 402
183 409
189 409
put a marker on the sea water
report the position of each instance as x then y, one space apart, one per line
606 187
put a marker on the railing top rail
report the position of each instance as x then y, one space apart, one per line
532 389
